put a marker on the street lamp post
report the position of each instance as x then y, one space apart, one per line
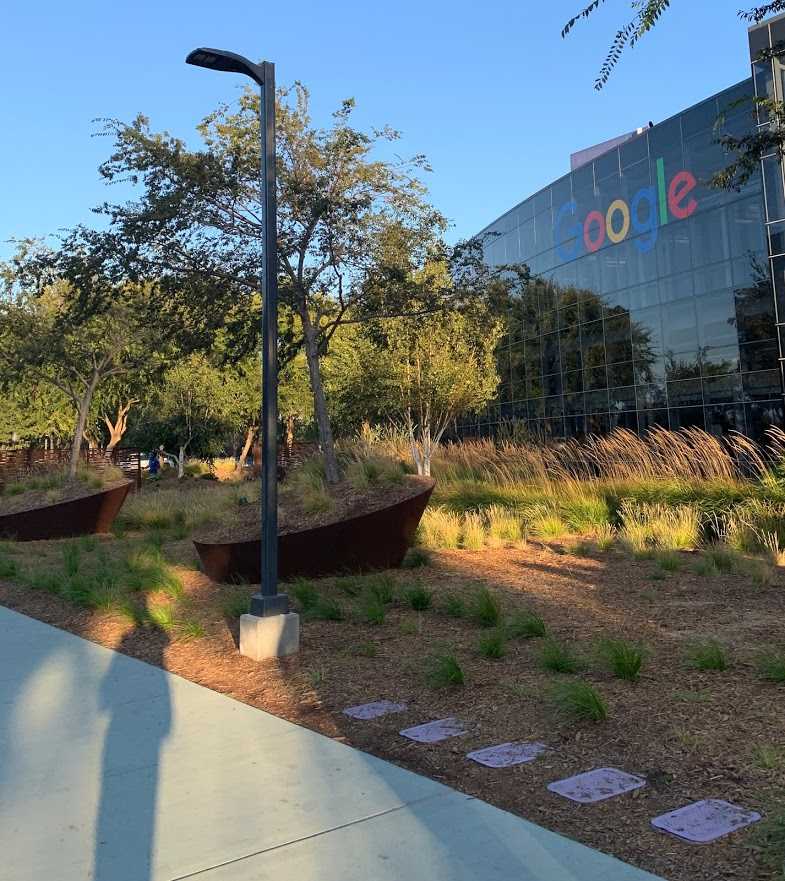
268 602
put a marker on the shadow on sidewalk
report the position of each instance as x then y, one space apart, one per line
125 823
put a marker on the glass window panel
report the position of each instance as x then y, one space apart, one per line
621 398
665 141
627 419
618 342
575 427
634 151
590 307
607 165
597 423
712 278
720 360
722 389
717 319
554 406
595 378
571 358
746 228
679 327
620 374
543 230
684 365
536 408
775 196
574 404
762 385
762 416
758 356
573 381
644 295
552 384
685 392
777 238
597 401
709 234
550 353
699 118
674 253
592 344
723 420
755 319
686 417
676 287
650 396
646 332
534 386
652 418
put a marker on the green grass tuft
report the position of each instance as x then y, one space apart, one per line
492 645
419 597
485 609
525 625
558 658
771 665
444 671
708 655
578 701
625 659
416 558
454 607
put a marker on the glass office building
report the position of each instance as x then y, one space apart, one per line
654 297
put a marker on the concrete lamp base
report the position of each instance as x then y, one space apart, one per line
270 637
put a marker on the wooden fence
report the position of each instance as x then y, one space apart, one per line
19 462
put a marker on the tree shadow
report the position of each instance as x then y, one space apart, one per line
139 723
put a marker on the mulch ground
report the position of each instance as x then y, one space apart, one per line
692 734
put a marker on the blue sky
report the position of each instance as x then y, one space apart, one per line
489 92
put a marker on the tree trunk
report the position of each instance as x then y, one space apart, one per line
326 441
81 420
118 427
181 463
289 433
249 438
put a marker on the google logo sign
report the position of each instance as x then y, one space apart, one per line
650 208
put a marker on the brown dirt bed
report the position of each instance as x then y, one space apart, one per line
347 502
692 734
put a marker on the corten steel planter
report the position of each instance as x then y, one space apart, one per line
375 540
84 516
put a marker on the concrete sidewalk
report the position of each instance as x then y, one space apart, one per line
114 770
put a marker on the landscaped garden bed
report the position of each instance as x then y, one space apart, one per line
634 623
53 505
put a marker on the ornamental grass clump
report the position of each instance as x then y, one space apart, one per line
558 658
504 526
485 609
444 671
578 701
525 625
474 532
771 665
419 597
708 655
440 528
625 659
492 645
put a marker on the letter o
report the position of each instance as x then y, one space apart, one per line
593 245
621 206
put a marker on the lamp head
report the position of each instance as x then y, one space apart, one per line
220 59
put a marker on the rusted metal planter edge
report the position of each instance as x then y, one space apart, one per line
84 516
366 542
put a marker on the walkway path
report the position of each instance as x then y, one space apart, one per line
114 770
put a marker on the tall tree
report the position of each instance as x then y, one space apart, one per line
197 224
71 335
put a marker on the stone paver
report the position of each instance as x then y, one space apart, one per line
705 821
114 770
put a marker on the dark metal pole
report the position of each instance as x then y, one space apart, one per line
268 601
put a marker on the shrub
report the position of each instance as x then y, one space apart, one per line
706 567
625 659
525 625
71 559
580 549
161 617
660 526
771 665
416 558
191 630
558 658
419 597
440 528
444 671
586 513
546 524
373 471
492 645
146 570
364 649
474 531
668 561
485 609
578 701
708 655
